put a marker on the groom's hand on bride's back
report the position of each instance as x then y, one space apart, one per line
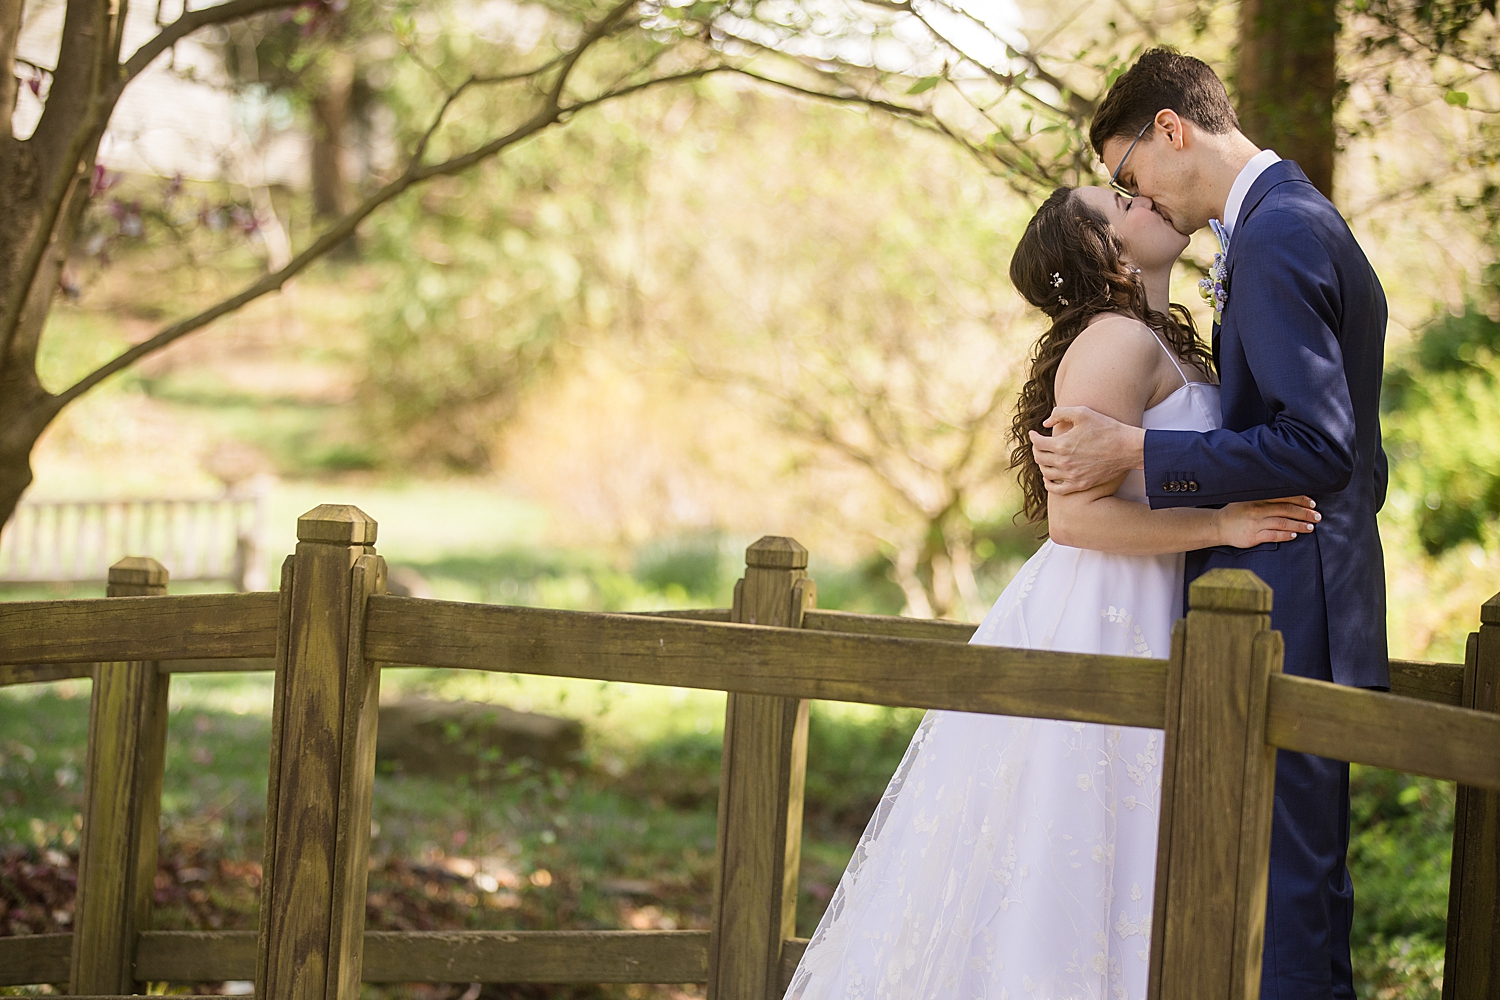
1086 449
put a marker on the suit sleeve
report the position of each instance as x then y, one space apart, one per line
1286 299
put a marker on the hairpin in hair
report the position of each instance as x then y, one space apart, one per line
1056 280
1061 300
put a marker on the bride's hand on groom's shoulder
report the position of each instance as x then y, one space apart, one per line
1245 525
1087 449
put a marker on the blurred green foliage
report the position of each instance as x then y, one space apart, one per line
488 275
1442 401
1442 428
1399 853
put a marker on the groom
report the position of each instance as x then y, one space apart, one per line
1299 340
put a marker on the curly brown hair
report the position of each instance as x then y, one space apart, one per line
1071 264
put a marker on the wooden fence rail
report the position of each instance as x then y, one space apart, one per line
1221 699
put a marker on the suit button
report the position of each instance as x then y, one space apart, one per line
1167 487
1192 486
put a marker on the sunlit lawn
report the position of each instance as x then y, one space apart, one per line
626 839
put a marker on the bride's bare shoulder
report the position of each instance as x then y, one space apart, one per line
1113 345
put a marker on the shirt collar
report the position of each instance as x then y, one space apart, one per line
1242 183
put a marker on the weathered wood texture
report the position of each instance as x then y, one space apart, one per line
190 627
537 956
890 625
1173 708
1216 848
1425 681
1368 727
760 793
127 745
1438 682
689 614
322 765
1471 967
43 673
35 959
263 942
195 956
402 957
792 950
793 663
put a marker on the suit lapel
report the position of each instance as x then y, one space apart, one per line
1280 172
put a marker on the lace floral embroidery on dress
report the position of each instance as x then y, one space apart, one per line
963 854
1122 617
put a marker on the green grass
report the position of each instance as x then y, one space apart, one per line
624 840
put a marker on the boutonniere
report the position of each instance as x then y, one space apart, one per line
1215 287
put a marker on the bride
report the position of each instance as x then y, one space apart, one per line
1012 857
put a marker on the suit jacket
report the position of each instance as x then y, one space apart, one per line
1301 345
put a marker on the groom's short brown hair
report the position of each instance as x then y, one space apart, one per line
1162 78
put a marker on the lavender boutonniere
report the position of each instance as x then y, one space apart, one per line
1215 287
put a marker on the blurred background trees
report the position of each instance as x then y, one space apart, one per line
643 232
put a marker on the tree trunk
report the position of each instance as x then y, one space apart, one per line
1287 81
25 411
30 171
331 104
26 408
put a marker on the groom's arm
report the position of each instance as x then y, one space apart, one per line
1288 320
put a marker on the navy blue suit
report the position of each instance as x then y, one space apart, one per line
1301 348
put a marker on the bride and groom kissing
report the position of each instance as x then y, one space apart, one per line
1015 858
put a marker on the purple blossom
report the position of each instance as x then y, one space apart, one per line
102 180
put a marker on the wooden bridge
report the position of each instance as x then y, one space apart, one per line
1221 697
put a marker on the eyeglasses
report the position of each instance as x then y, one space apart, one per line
1113 178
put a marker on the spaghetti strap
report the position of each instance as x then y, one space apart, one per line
1172 357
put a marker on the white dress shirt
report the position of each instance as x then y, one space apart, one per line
1241 186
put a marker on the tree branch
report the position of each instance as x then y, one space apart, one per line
185 25
414 174
900 111
594 34
104 91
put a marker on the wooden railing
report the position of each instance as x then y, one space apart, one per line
1221 698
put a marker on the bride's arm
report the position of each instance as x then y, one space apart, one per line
1113 368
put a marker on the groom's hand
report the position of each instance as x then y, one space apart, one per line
1086 449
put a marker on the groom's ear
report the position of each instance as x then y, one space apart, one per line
1172 127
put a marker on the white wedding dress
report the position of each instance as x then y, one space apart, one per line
1014 858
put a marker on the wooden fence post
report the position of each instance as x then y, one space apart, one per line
1471 968
122 805
760 794
322 763
1219 778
